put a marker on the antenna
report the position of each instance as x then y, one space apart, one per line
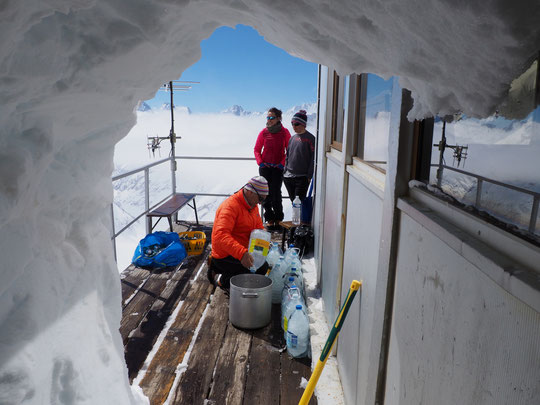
153 143
460 153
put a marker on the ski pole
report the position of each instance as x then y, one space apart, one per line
308 392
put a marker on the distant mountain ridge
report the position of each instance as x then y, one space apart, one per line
237 110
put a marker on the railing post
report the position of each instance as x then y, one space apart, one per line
534 215
479 192
113 231
147 199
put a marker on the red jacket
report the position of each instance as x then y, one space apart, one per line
273 146
233 224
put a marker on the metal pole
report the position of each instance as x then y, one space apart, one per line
479 185
442 146
172 137
147 199
113 232
534 215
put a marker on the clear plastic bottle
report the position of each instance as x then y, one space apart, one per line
296 210
276 275
291 298
273 254
259 244
297 277
298 333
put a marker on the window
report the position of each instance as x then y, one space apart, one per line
337 115
377 119
492 164
372 119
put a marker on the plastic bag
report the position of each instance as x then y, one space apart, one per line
159 250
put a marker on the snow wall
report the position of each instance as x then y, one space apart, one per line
72 74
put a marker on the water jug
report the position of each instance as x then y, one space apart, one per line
259 244
291 298
298 333
296 210
298 280
276 275
273 254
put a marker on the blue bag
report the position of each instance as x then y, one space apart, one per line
159 250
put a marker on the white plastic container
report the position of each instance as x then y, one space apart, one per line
291 298
273 254
259 245
276 275
296 210
298 333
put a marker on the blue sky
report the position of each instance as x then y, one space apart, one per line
238 66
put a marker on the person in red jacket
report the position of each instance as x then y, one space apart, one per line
269 150
235 218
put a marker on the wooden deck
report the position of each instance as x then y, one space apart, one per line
199 357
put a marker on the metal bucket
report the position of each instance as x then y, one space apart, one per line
250 302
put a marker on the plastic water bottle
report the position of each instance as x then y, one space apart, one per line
273 254
296 210
276 275
298 333
259 244
291 298
297 277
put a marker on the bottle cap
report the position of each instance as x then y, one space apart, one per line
299 306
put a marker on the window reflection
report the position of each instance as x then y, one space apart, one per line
377 119
501 172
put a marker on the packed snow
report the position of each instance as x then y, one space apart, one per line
73 75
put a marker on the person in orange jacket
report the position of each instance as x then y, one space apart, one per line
235 218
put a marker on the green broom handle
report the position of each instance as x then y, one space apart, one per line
308 392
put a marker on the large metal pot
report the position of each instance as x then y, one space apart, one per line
250 302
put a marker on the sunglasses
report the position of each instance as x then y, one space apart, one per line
270 118
295 124
261 197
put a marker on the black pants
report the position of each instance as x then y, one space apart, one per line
296 186
273 207
229 267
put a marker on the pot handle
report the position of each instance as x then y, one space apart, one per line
250 295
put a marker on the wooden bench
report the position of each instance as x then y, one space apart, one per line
171 207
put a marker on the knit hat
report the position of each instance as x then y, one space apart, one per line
257 185
300 117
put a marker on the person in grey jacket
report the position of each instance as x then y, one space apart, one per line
300 158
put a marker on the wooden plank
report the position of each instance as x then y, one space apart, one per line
141 340
292 371
172 205
263 377
140 304
161 372
132 279
194 384
231 368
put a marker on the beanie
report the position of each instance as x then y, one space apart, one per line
257 185
300 117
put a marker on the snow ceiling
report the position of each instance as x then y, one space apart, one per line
72 73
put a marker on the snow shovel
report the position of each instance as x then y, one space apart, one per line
308 392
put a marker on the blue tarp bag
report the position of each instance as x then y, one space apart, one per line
159 250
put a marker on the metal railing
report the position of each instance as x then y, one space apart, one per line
481 180
147 208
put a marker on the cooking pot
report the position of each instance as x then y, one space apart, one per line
250 302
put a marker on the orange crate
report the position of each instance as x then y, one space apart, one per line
193 241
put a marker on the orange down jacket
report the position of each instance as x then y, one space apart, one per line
233 224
